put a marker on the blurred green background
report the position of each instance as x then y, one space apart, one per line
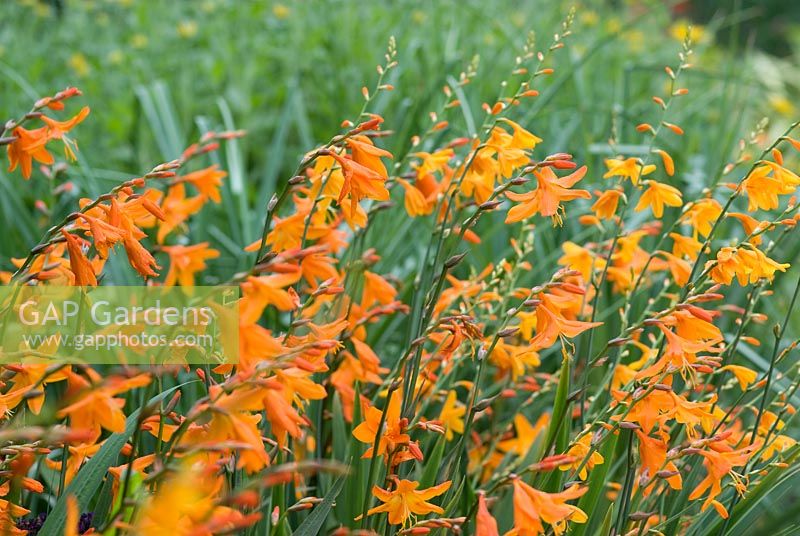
158 73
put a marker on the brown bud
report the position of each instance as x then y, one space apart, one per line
453 261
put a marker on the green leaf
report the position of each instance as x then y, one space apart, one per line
313 523
340 435
558 430
432 464
606 528
88 480
559 405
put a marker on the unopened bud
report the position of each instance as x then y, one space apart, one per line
489 205
453 261
507 332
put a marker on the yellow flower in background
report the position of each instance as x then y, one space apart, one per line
139 41
115 57
782 105
80 65
635 39
281 11
680 29
613 25
41 10
418 16
589 18
187 28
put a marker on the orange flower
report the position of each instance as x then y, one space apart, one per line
376 290
259 292
8 511
547 197
509 155
481 175
393 433
405 500
526 435
366 154
653 455
78 263
629 168
744 375
747 263
666 159
701 215
93 406
177 208
657 195
513 358
360 182
345 376
679 268
659 407
679 353
125 216
521 139
656 407
287 233
193 498
763 190
532 508
485 524
139 258
30 145
581 259
29 375
685 246
316 266
433 162
78 454
452 416
579 450
751 226
104 235
414 200
231 424
606 205
207 181
73 517
185 261
550 324
720 460
57 129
